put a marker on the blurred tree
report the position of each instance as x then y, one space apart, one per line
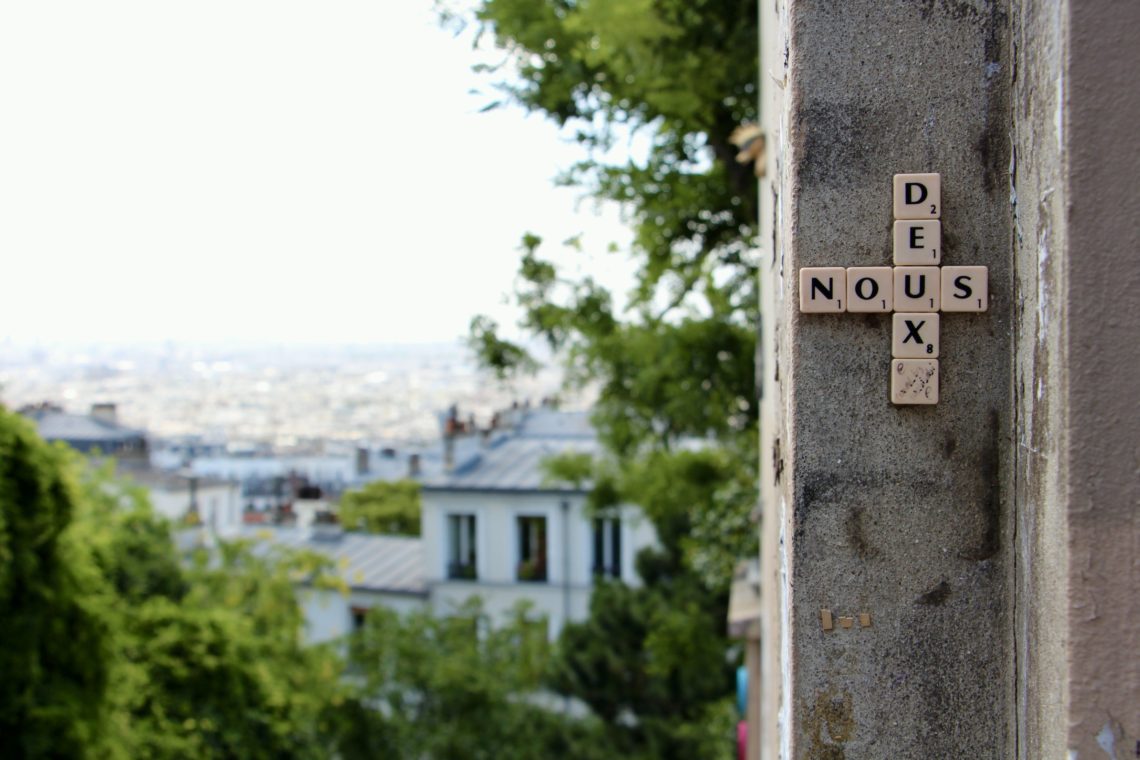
459 688
113 646
57 641
675 83
389 507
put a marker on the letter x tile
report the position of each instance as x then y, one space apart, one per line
914 336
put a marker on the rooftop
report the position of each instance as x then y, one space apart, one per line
511 459
365 562
56 425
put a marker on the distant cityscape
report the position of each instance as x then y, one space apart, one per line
264 445
284 399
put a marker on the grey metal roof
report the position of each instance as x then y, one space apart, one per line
391 564
512 460
62 426
550 423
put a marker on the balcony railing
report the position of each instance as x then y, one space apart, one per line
461 571
532 571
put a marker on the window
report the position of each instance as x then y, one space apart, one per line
461 547
359 615
532 549
607 547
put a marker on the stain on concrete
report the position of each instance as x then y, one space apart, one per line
989 506
829 724
834 144
857 536
937 596
777 461
949 445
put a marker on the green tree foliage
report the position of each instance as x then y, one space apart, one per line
675 372
389 507
113 646
458 688
56 637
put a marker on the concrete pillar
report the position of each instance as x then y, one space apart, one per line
901 514
1077 359
993 539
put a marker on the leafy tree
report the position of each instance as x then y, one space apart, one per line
675 372
390 507
457 687
56 637
113 646
211 660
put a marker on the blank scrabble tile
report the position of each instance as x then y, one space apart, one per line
823 290
917 288
870 289
914 335
965 289
918 196
918 243
914 381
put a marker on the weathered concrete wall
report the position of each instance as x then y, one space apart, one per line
899 512
1041 379
1077 361
995 538
1103 301
774 637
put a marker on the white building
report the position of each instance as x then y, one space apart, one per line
495 527
492 527
214 505
378 571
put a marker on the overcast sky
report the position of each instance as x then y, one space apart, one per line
264 170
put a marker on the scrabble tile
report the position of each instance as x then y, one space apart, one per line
914 336
823 290
918 196
914 381
965 289
870 289
917 288
918 243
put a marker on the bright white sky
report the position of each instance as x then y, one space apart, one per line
264 170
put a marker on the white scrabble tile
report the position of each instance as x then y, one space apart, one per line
965 289
917 288
918 196
918 243
823 290
914 335
914 381
870 289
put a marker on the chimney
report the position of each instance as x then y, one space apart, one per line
448 452
105 412
362 465
414 466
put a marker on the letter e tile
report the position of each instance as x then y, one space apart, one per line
823 290
870 289
965 289
918 196
917 288
918 243
915 336
914 381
